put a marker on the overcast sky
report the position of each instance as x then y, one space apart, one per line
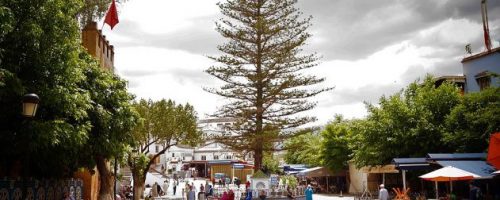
368 48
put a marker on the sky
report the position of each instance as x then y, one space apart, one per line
367 48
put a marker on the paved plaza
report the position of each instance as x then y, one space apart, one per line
198 183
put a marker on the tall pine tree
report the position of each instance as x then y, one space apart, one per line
261 65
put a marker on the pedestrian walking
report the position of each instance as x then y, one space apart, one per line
185 190
210 191
382 193
175 186
165 187
201 194
225 196
230 194
206 188
248 195
154 190
247 184
237 182
160 191
237 194
309 192
191 195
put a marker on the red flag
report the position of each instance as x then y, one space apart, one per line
111 15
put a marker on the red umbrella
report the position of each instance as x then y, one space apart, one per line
494 150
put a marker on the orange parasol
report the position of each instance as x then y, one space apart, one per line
450 174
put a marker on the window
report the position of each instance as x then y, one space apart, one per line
229 157
157 148
203 157
173 155
216 157
483 80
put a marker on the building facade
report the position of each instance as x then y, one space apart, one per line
97 46
481 70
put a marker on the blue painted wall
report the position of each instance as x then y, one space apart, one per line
471 68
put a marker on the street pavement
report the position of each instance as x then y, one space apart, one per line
331 197
198 183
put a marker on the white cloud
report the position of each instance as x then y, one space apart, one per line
164 16
382 47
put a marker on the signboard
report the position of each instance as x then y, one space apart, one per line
274 179
238 166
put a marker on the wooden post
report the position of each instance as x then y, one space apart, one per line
451 186
327 187
437 192
404 180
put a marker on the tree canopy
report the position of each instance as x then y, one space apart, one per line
164 124
40 54
335 151
112 120
472 121
261 66
84 113
303 149
418 120
410 123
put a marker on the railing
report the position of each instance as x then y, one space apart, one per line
40 189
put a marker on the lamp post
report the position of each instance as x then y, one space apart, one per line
30 104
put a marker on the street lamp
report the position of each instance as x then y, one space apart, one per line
30 104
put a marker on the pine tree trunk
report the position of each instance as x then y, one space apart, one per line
106 179
259 104
258 159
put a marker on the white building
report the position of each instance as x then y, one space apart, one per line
179 156
213 150
175 156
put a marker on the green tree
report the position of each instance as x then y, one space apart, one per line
164 124
270 164
112 118
410 123
303 149
84 116
93 10
261 67
473 120
335 150
290 180
40 54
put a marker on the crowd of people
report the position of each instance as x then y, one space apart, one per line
207 191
